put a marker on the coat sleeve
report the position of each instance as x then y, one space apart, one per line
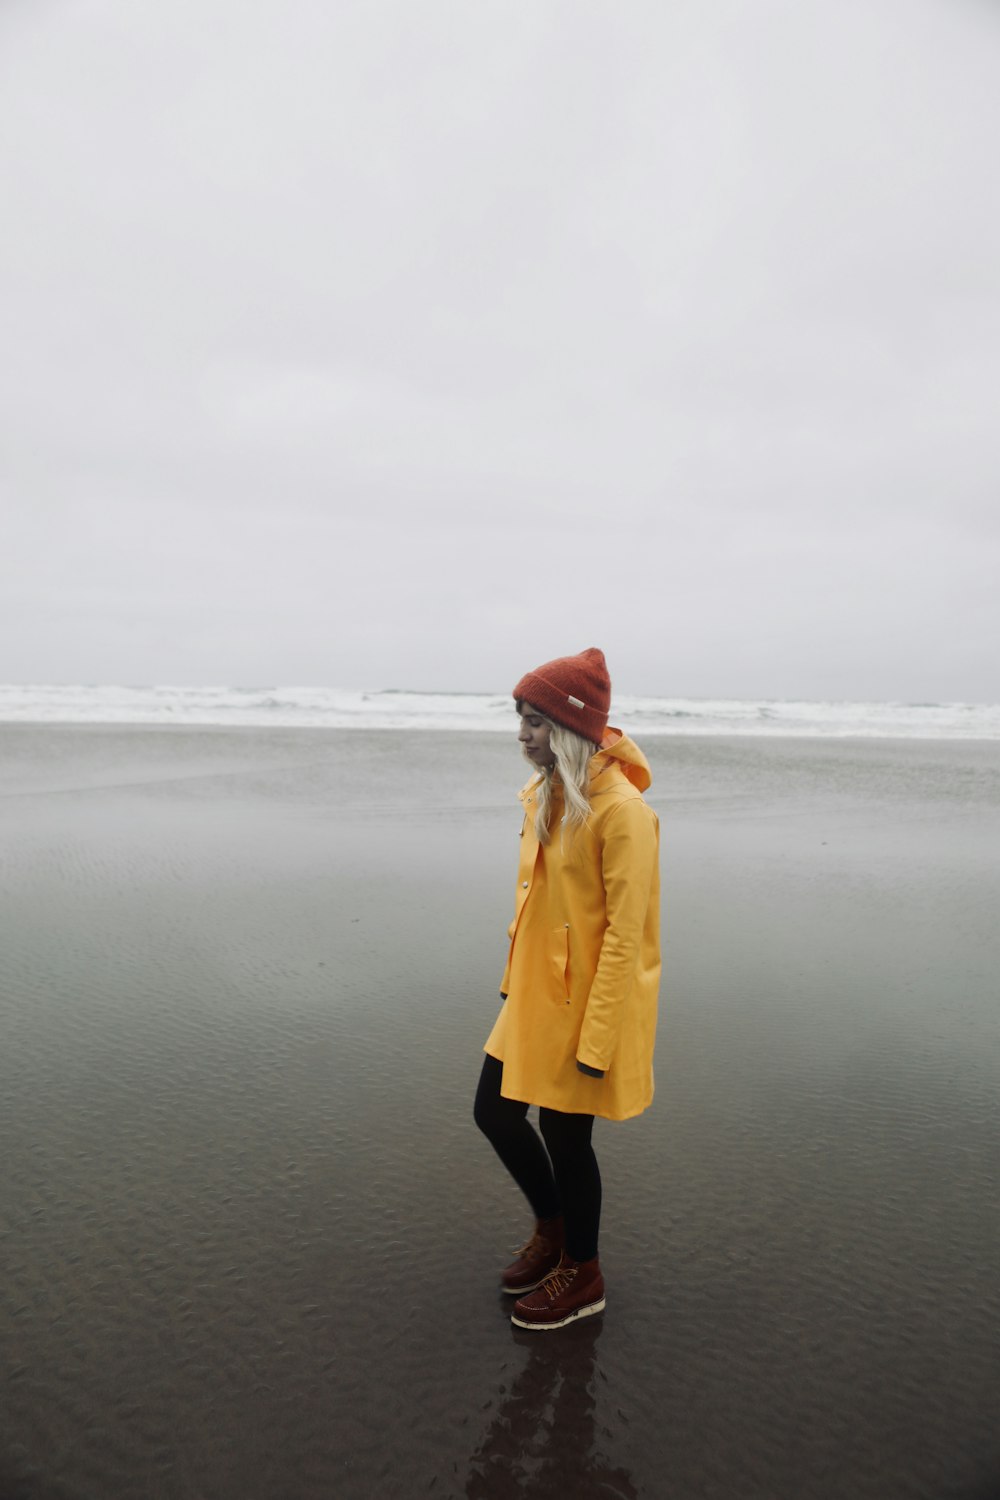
628 860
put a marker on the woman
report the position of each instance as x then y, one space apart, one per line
576 1031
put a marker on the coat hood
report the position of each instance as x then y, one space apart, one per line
617 749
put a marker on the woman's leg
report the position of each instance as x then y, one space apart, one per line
578 1178
504 1122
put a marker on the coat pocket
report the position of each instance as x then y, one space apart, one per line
559 964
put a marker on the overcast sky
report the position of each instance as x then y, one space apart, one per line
379 344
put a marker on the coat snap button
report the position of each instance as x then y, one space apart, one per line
525 884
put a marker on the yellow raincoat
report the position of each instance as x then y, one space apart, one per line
583 969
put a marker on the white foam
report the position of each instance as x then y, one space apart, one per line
336 708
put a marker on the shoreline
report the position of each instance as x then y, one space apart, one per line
645 734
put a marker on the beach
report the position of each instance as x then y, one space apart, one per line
251 1237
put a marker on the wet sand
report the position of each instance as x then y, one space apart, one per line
250 1235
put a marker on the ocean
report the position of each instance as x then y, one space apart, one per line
339 708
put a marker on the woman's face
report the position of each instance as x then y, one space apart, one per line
534 736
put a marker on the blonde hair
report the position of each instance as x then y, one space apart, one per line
572 755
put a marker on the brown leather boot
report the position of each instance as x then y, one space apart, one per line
535 1259
574 1289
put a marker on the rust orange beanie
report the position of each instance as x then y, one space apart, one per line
574 691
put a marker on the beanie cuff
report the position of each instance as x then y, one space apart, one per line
562 707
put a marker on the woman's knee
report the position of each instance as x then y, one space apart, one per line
483 1114
565 1136
495 1115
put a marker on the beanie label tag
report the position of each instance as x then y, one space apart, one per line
575 701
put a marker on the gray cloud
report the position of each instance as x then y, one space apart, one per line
381 345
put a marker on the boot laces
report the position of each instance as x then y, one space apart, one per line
558 1280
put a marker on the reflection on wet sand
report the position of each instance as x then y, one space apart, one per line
248 1228
543 1440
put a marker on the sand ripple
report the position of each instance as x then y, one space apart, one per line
249 1235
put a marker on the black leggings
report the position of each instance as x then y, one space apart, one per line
561 1177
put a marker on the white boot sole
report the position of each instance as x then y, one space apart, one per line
578 1312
